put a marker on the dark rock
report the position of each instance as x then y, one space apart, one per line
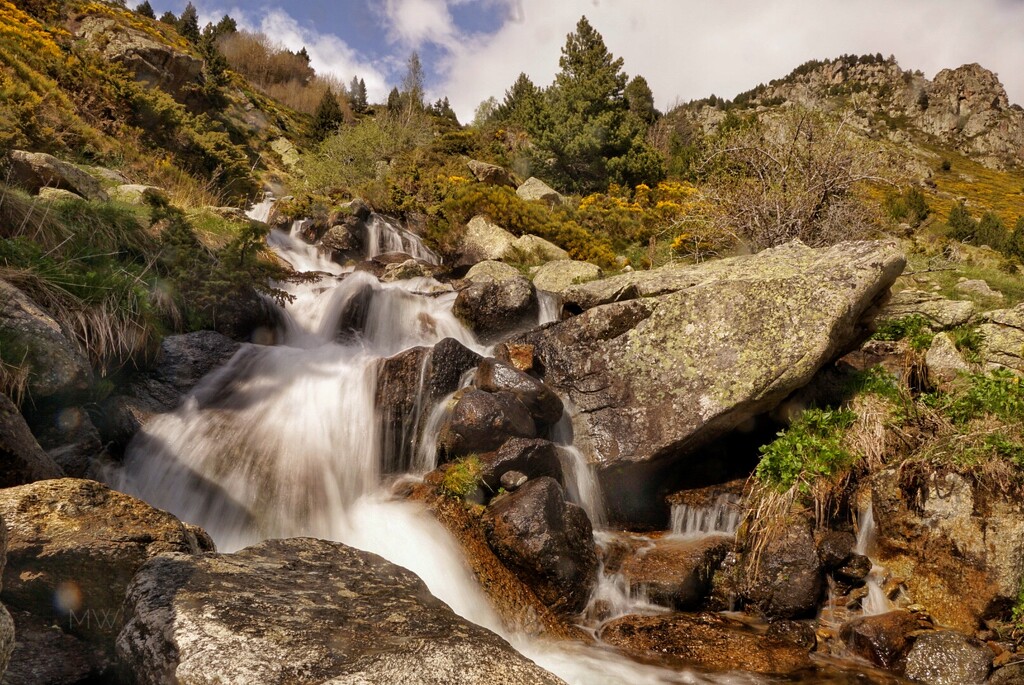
359 209
789 581
883 639
663 362
71 440
798 633
855 570
22 460
532 458
1010 674
493 309
44 654
449 362
36 170
482 421
303 611
706 640
346 239
835 548
707 497
73 546
547 542
947 657
513 480
544 405
676 573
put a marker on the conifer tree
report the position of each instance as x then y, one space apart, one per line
145 10
641 100
188 24
524 105
328 116
357 94
168 17
412 84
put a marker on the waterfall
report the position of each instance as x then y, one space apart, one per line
721 518
285 440
876 602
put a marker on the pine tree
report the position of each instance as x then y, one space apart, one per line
357 94
1015 245
169 18
992 232
524 105
328 116
146 10
394 100
962 226
641 100
188 24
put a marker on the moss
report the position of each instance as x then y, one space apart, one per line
462 477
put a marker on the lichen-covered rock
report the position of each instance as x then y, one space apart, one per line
492 309
33 339
57 195
947 657
494 376
557 277
491 174
136 194
707 640
346 239
1002 344
410 268
789 580
482 421
35 170
483 240
529 458
535 189
978 288
664 361
303 611
674 572
22 460
531 249
943 361
882 639
491 271
939 312
73 546
546 541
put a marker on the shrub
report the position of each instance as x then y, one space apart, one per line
810 448
968 341
998 394
914 329
962 225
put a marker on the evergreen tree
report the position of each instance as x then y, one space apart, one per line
303 55
524 105
962 226
169 18
1015 245
146 10
394 100
357 94
188 24
442 108
328 116
991 232
641 100
412 84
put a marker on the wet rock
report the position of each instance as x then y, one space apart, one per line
449 361
303 611
34 340
706 640
482 421
359 209
22 460
410 268
535 189
530 458
557 277
544 405
182 362
855 570
883 639
491 174
835 548
940 313
36 170
757 327
484 240
517 356
71 440
73 546
798 633
493 309
546 541
943 361
947 657
346 239
1010 674
707 497
492 271
513 480
1002 343
789 581
676 573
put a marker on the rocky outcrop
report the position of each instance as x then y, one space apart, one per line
546 541
1002 344
36 170
484 240
22 460
883 639
978 288
492 309
73 546
491 174
557 277
663 362
531 249
940 313
303 611
535 189
183 361
492 271
156 64
706 640
943 361
947 657
958 547
33 339
789 579
136 194
676 573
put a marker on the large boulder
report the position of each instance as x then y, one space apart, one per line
492 271
73 546
531 249
883 639
676 573
535 189
491 174
546 541
707 640
939 312
557 277
947 657
1002 343
492 309
6 623
944 362
301 611
482 421
22 460
789 579
484 239
665 361
34 340
495 376
36 170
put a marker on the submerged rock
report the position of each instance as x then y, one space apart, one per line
947 657
300 611
546 541
664 361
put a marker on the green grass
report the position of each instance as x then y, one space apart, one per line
462 476
914 329
809 449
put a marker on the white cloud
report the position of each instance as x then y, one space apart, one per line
416 22
690 49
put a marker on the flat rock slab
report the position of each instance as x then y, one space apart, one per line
663 362
302 611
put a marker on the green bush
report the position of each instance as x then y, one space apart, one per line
462 476
810 448
914 329
999 394
968 341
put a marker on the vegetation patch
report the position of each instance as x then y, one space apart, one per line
462 477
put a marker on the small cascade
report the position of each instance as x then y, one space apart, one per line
548 307
580 476
721 518
384 234
876 602
613 597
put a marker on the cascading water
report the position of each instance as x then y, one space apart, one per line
285 441
875 602
721 518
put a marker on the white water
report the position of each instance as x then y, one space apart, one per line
875 602
285 441
721 518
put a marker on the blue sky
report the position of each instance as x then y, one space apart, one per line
473 49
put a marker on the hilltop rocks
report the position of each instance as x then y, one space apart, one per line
536 189
22 460
32 338
36 170
557 277
546 541
662 362
303 611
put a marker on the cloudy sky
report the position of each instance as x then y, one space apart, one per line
686 49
